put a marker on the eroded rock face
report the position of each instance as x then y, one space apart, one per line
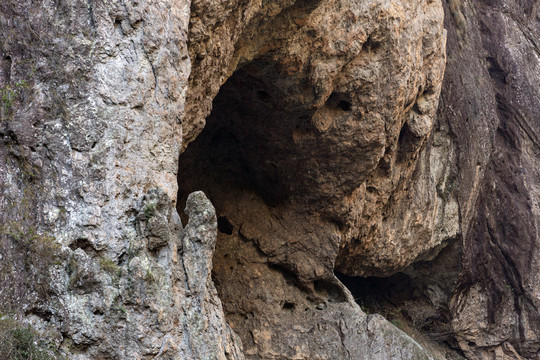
90 137
279 318
328 108
312 127
401 198
319 118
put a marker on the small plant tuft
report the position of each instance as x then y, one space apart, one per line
149 211
108 265
150 277
9 94
18 342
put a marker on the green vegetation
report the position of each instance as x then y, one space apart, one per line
150 277
9 94
120 310
133 251
18 342
149 211
109 266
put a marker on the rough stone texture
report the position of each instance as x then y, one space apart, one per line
315 123
90 131
325 114
279 318
203 315
472 182
490 107
312 127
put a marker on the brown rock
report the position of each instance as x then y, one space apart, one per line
313 128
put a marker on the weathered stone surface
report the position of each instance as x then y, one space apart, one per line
325 114
313 106
312 127
490 107
279 318
208 336
90 135
406 205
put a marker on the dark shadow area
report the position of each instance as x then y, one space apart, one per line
399 298
419 310
415 300
244 142
224 225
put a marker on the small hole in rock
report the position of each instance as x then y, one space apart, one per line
288 305
345 105
372 44
263 95
311 33
339 100
83 244
224 225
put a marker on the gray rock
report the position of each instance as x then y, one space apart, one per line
313 127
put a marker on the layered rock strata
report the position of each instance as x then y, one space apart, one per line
490 108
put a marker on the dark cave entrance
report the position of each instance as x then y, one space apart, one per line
247 150
247 146
246 142
415 300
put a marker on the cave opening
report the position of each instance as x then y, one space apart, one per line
416 300
245 141
248 162
254 146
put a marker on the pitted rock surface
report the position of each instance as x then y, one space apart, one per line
323 133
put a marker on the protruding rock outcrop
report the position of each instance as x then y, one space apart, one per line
204 317
315 128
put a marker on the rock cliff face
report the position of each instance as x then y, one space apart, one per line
490 103
328 142
92 95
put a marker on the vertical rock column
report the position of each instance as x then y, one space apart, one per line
209 337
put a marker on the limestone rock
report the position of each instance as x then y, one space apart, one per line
208 335
90 135
315 128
